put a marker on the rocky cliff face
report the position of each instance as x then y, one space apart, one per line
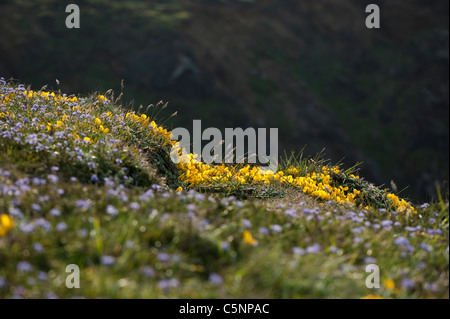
310 68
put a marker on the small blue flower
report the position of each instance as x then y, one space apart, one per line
225 246
107 260
313 249
36 207
24 266
165 284
370 260
298 251
134 206
246 223
61 226
55 212
215 279
426 247
163 257
148 271
111 210
276 228
38 247
401 241
264 230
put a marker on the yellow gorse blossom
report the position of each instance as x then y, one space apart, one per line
6 224
196 173
248 238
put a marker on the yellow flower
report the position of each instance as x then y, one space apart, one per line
87 139
98 121
389 284
248 238
371 297
6 224
179 189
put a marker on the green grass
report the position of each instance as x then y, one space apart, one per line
133 236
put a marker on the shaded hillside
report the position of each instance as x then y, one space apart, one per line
310 68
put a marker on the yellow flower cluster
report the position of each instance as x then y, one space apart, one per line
29 94
196 173
6 224
100 126
316 184
400 205
156 131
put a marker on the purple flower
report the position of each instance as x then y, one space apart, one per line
41 275
291 212
386 223
15 212
36 207
2 282
134 206
148 272
264 230
27 227
163 257
24 266
333 249
55 212
246 223
191 207
313 249
107 260
298 251
370 260
401 241
358 230
53 178
407 283
111 210
424 205
434 231
38 247
215 279
276 228
307 211
168 283
61 226
83 232
225 246
431 286
44 224
83 204
426 247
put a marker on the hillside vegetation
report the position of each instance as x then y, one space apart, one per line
310 68
84 182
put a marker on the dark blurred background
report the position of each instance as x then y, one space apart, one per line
310 68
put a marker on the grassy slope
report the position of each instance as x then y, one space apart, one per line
133 236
